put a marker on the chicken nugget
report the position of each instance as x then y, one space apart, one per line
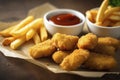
43 49
109 41
104 49
58 56
97 61
65 42
88 41
75 59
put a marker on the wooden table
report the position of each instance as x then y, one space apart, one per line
18 69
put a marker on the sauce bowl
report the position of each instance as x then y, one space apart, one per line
65 29
103 31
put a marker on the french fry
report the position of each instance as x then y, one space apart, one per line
18 42
108 12
6 32
116 13
43 33
30 34
114 17
7 41
94 14
117 24
101 11
106 22
23 23
34 24
89 15
109 7
36 38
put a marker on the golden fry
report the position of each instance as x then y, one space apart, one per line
101 11
94 14
18 42
114 17
30 34
34 24
110 11
7 41
116 13
89 15
36 38
23 23
106 22
117 24
43 33
6 32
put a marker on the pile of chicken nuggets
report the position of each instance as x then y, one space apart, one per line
72 52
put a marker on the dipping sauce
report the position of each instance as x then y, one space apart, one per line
65 19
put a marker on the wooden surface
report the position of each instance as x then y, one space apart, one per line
17 69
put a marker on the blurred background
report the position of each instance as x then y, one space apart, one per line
18 9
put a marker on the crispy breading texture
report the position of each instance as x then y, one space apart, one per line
43 49
98 61
65 42
105 49
88 41
58 56
75 59
109 41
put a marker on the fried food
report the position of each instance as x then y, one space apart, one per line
106 15
88 41
97 61
43 33
75 59
43 49
109 41
24 31
35 24
101 11
6 32
65 42
58 56
91 15
23 23
7 41
110 11
30 34
17 42
36 38
104 49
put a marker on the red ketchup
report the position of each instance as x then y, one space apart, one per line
65 19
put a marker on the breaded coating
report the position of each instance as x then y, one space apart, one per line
75 59
88 41
43 49
109 41
65 42
97 61
104 49
58 56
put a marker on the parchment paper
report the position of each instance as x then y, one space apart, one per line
23 53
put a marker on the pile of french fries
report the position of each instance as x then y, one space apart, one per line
29 28
106 15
